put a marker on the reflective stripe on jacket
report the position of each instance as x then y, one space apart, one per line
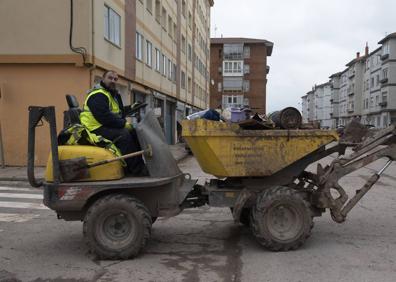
86 116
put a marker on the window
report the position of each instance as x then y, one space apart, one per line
170 66
149 53
377 80
189 84
189 52
189 20
163 18
174 73
219 87
232 83
183 80
384 73
232 68
232 101
158 10
174 31
149 5
246 86
157 60
183 44
170 25
139 46
246 69
385 48
384 96
246 52
233 51
184 8
112 26
372 82
385 121
163 65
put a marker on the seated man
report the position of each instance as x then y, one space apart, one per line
103 114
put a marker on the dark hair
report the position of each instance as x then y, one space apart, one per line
108 71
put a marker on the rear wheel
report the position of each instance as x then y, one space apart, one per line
244 217
117 227
281 219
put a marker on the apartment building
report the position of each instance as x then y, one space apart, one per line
316 105
366 89
238 71
160 49
334 82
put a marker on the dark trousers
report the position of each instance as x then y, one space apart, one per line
127 142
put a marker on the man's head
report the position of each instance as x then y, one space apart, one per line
109 79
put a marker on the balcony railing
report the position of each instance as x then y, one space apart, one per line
384 80
384 57
383 104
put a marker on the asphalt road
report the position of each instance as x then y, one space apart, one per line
203 244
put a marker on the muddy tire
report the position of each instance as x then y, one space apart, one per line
281 219
245 216
117 227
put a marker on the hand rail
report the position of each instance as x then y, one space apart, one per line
36 114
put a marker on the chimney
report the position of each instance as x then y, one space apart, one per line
366 50
357 55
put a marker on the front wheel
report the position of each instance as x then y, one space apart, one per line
117 227
281 219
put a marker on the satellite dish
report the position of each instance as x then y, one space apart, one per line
212 82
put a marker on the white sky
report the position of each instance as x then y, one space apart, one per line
312 39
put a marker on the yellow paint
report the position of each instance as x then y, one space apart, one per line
230 194
93 154
225 150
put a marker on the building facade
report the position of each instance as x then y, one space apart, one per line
316 105
238 71
366 89
159 48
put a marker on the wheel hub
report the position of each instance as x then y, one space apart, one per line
283 222
117 226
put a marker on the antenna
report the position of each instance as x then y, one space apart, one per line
215 31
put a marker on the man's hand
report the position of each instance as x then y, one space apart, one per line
128 126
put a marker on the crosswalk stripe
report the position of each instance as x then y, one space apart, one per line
19 205
21 196
3 188
14 217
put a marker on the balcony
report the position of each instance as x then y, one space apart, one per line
351 74
384 57
384 80
383 104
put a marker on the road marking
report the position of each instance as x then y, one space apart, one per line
13 217
18 205
3 188
21 196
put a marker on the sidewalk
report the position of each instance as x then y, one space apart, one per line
19 173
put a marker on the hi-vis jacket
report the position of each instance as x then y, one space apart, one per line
86 116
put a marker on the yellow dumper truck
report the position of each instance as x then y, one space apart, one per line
259 174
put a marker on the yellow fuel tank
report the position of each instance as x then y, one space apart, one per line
110 171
